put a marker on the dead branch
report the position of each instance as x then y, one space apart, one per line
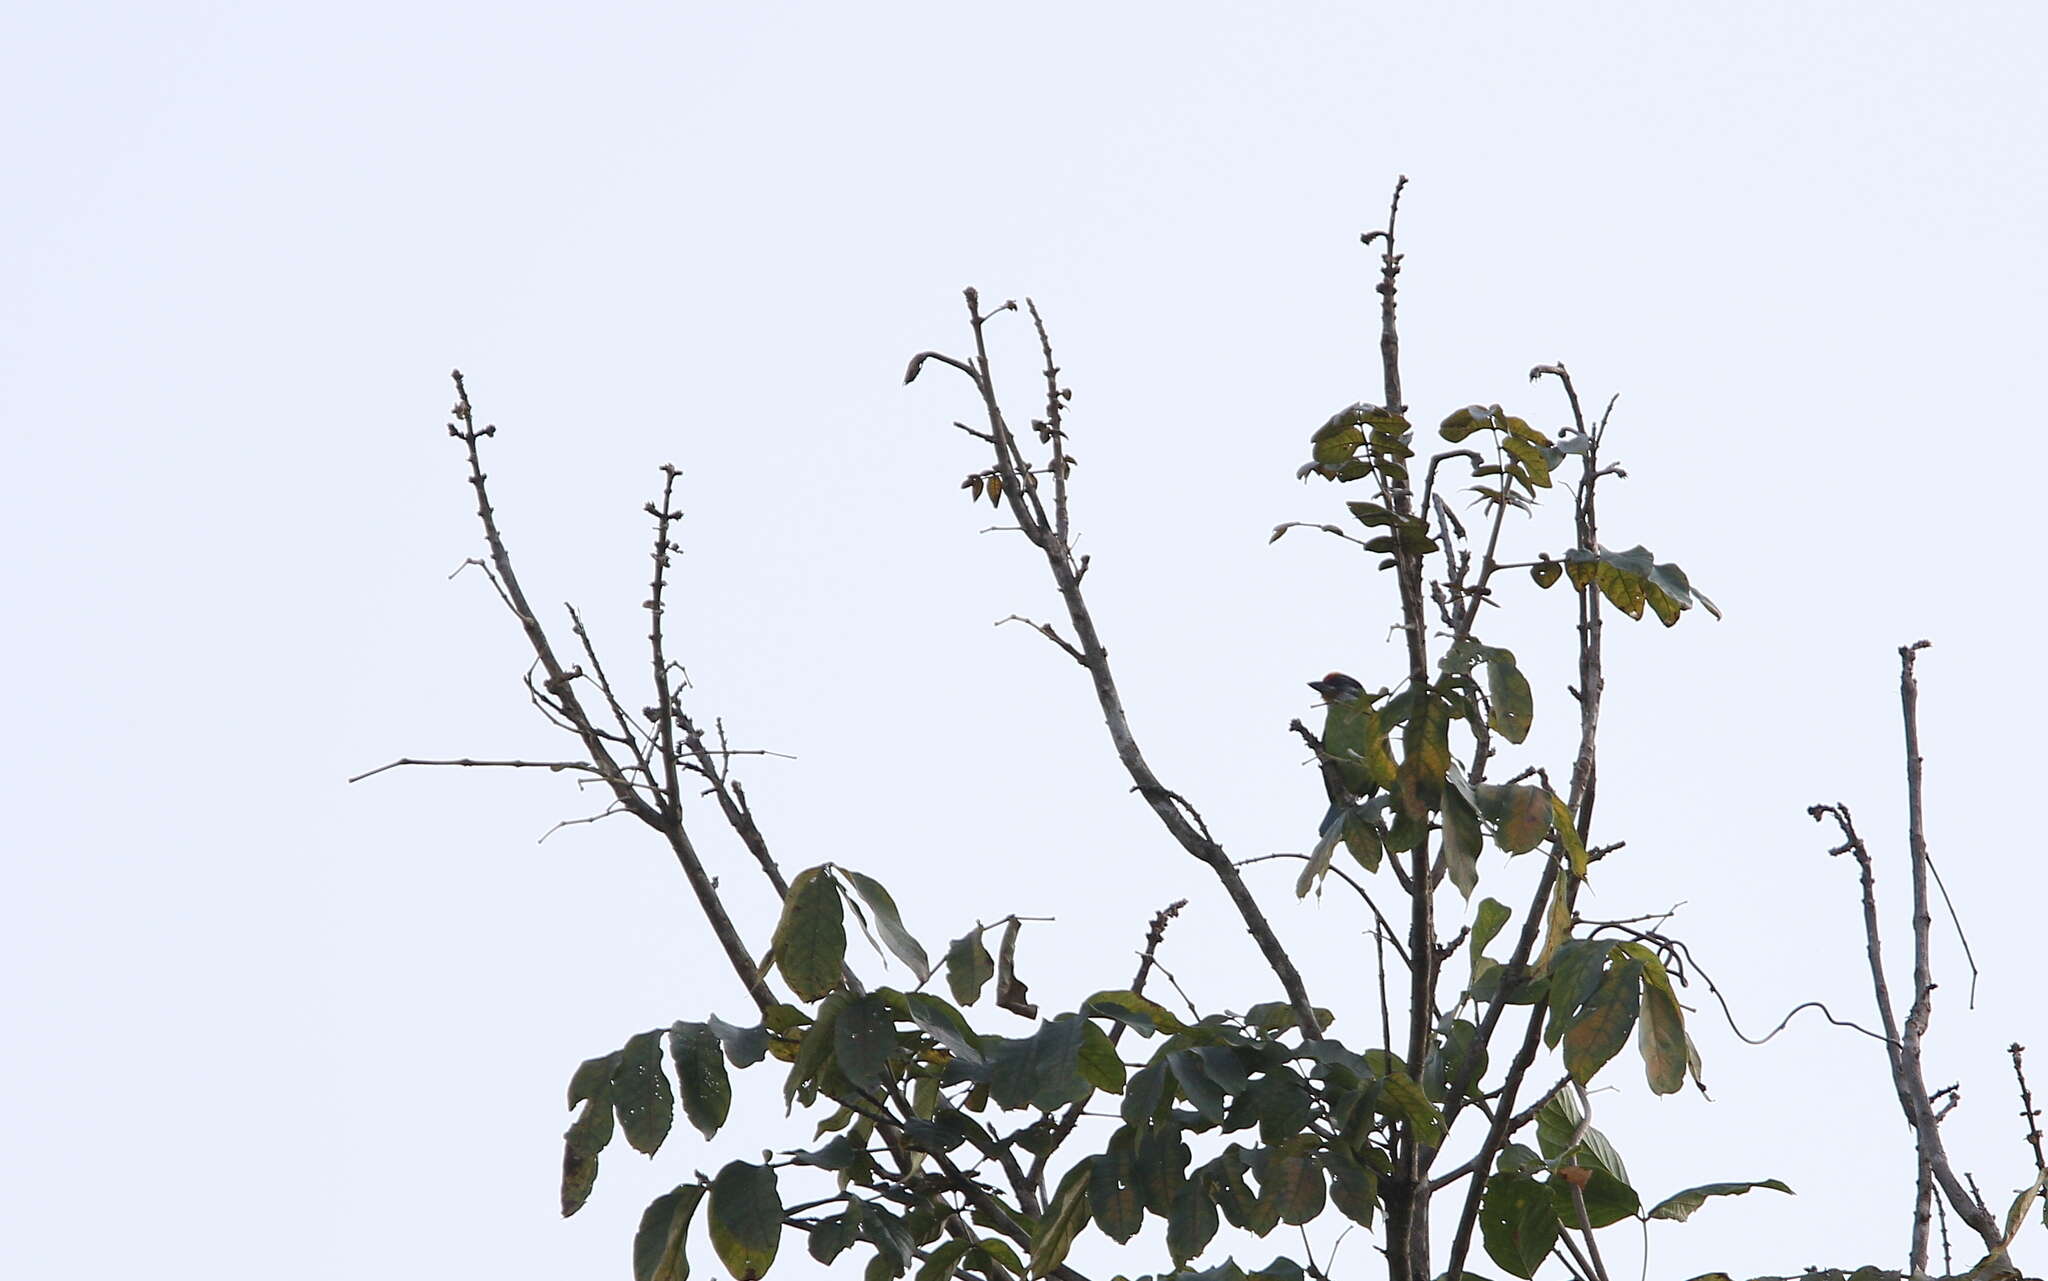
557 694
555 766
1903 1043
1050 532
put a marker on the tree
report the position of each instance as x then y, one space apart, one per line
955 1150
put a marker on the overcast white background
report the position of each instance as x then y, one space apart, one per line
261 1023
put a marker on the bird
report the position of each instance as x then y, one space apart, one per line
1336 687
1348 729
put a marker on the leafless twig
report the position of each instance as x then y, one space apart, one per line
1050 532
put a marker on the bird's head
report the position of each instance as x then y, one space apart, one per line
1337 688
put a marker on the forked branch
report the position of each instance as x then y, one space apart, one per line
1049 530
1903 1037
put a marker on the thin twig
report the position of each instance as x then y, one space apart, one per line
1147 959
2030 1116
556 766
1047 630
1050 535
559 685
1348 879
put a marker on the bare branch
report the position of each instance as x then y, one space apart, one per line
555 766
2030 1116
607 812
1050 535
716 767
557 693
1902 1045
1390 271
1050 633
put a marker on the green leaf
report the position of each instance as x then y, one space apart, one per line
1144 1094
1525 818
1574 975
1667 592
810 939
1568 836
1354 1188
1134 1011
1192 1223
1558 1120
1293 1182
1341 1066
1602 1028
1461 834
814 1052
945 1025
1608 1199
1336 440
588 1134
997 1251
1411 536
1425 758
907 949
1486 924
1535 466
1669 584
659 1244
1580 566
746 1219
831 1237
1463 422
1371 514
1545 571
1203 1094
969 967
1041 1070
1679 1206
1623 578
1514 707
1362 839
863 1039
1404 834
744 1046
943 1262
785 1026
892 1239
1518 1223
1065 1218
1661 1038
1161 1161
1233 1195
1113 1189
641 1094
1280 1100
1406 1101
1458 1043
593 1077
700 1071
1272 1017
1098 1061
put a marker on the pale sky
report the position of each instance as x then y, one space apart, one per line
264 1024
